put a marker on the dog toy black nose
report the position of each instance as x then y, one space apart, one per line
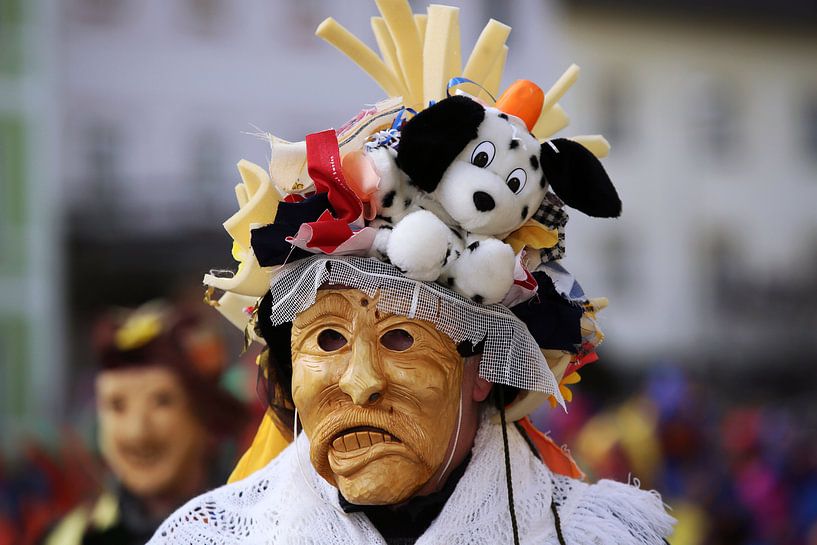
483 201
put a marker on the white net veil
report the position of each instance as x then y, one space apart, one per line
510 355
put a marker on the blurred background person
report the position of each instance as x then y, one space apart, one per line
162 420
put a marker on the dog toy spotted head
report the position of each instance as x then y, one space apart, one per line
485 170
490 174
472 175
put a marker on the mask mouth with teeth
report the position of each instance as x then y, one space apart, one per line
378 397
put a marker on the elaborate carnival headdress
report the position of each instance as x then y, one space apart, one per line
320 213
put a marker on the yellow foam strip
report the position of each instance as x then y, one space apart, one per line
558 90
251 280
335 34
486 51
494 79
260 206
241 195
454 51
387 50
400 21
421 20
442 25
596 143
550 122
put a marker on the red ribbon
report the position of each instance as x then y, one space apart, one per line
323 165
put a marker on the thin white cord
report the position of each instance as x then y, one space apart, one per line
456 441
301 468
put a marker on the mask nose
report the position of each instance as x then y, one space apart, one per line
483 201
363 380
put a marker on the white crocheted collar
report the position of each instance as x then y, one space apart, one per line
273 506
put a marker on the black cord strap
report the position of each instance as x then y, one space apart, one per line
511 508
558 522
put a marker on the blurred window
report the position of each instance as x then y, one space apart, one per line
205 16
101 154
208 167
13 354
723 269
98 12
11 36
298 21
810 126
614 107
620 260
715 116
12 194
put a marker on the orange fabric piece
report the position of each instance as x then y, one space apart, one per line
556 459
524 99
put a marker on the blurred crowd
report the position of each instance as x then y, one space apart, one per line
734 472
168 419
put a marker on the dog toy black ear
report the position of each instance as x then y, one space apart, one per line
578 178
431 140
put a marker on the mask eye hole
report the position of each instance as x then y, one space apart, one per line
483 154
330 340
397 340
516 180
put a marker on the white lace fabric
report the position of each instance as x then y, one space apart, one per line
510 356
275 506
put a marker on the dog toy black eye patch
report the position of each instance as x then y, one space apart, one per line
432 139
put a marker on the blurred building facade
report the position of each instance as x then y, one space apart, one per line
31 267
711 110
162 98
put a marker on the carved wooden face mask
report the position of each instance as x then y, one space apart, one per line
377 395
149 432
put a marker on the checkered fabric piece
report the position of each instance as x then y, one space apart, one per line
552 215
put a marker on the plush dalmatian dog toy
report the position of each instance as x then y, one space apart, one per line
463 178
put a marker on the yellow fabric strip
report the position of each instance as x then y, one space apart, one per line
421 20
403 30
487 49
266 445
442 27
558 90
596 143
533 235
551 121
494 79
388 51
258 203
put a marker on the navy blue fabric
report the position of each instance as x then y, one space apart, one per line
552 320
269 242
